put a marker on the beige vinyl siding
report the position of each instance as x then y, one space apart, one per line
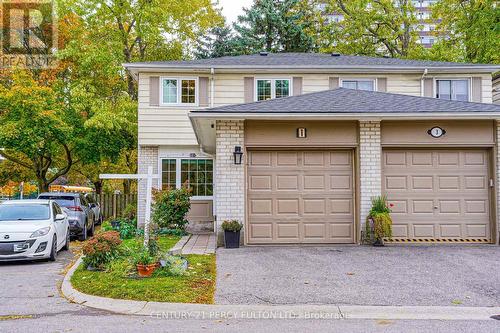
159 125
496 93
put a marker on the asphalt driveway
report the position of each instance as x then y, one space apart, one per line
360 275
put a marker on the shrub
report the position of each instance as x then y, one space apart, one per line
382 226
171 207
130 211
101 249
231 225
127 228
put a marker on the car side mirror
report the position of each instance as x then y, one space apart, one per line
60 217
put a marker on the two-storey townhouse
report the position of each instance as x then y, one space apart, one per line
295 145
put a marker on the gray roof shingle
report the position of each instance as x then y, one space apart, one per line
303 60
342 100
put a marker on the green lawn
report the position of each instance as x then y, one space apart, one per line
119 281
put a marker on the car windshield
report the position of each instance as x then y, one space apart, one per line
62 201
24 212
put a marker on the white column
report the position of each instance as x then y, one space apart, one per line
370 153
229 178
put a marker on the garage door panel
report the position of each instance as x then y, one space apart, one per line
306 196
448 197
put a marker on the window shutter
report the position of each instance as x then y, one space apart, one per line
249 87
382 84
203 88
476 90
428 87
154 91
334 82
297 86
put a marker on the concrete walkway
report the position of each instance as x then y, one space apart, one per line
195 244
303 311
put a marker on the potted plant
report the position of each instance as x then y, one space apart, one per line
379 221
231 233
145 263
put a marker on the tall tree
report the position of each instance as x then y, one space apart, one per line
34 131
473 30
143 30
278 26
372 27
218 42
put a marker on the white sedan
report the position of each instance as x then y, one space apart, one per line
32 229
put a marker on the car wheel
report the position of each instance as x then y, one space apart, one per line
53 251
92 229
83 236
68 240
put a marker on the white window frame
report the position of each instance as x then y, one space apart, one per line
179 90
273 86
178 183
469 85
375 87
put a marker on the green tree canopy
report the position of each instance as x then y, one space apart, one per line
278 26
372 27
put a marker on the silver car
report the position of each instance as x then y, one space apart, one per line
80 214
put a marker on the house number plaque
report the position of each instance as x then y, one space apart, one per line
301 132
436 132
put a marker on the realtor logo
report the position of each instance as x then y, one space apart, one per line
29 34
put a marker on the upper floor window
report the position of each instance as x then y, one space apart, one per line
455 90
272 88
359 84
178 91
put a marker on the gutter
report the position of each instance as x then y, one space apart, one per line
343 116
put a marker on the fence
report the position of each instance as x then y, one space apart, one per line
113 205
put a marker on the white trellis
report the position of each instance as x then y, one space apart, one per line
149 188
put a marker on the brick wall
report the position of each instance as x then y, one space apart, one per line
147 156
370 165
229 178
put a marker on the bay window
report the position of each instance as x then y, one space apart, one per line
453 90
272 88
175 91
195 173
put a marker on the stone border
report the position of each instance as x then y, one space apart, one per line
209 311
177 248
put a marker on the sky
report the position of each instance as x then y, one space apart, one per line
232 8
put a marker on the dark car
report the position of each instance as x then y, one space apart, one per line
96 208
80 215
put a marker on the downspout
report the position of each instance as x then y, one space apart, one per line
422 82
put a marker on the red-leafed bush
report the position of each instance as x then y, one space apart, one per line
101 249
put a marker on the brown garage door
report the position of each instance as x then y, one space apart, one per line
300 197
438 194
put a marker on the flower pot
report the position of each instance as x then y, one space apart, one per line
231 239
378 242
146 270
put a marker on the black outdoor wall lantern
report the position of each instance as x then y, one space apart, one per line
238 155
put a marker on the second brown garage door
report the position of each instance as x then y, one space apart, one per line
300 196
438 194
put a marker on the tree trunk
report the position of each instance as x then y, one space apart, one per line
126 186
98 186
43 185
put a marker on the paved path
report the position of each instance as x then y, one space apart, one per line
200 244
439 275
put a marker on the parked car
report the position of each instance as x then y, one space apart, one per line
80 215
96 208
32 229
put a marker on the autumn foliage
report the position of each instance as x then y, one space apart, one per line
101 249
